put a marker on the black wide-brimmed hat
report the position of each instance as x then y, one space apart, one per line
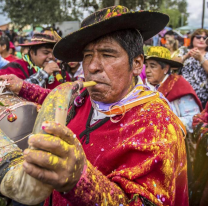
159 53
105 21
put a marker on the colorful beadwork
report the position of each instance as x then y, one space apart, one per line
12 117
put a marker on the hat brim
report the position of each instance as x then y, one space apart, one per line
148 23
36 43
172 63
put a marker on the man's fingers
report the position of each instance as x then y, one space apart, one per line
43 159
60 131
43 175
51 144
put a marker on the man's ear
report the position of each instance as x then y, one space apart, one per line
31 52
138 65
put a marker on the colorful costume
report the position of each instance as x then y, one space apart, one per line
144 154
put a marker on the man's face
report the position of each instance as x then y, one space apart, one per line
42 57
107 63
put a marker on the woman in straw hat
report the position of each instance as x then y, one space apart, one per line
175 88
124 146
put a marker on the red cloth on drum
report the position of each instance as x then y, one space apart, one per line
25 66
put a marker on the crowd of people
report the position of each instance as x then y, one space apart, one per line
137 136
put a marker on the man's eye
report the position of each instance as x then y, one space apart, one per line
107 55
87 55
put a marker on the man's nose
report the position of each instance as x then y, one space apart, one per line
95 65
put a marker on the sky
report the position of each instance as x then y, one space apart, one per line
195 13
194 9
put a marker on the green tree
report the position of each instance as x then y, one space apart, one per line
35 12
134 4
177 10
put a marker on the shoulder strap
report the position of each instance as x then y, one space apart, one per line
16 65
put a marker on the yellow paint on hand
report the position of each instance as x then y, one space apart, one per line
53 160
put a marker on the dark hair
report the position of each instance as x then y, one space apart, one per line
129 39
4 40
163 64
36 47
198 32
170 32
174 42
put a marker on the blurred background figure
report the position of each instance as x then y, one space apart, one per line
4 49
172 45
11 48
187 39
59 32
175 88
156 40
195 64
75 70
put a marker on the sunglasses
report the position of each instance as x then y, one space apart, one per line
199 37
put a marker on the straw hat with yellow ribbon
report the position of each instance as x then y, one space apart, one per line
162 54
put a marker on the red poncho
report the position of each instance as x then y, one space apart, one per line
142 158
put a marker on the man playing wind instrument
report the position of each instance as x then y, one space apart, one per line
122 144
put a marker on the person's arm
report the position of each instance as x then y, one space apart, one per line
204 64
188 108
33 93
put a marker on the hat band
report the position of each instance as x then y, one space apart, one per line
157 57
42 39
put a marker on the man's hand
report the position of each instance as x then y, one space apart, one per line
58 158
51 67
14 82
